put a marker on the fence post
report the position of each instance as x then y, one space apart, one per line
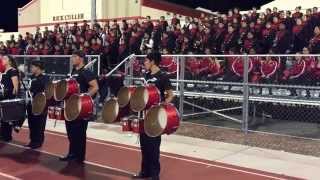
130 63
245 105
99 65
181 84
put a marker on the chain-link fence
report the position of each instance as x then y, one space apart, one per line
270 93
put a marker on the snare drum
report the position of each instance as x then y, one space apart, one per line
144 97
65 88
51 112
137 126
13 110
79 106
59 113
161 119
126 124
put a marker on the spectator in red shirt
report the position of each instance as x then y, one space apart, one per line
314 44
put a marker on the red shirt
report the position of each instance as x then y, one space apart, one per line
2 67
269 68
193 65
237 66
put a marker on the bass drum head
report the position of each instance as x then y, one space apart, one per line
49 90
110 111
155 121
39 103
124 96
139 99
72 108
60 91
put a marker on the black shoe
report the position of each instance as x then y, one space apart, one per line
140 175
79 161
68 157
6 139
28 145
35 146
155 178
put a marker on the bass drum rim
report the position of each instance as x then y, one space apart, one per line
39 102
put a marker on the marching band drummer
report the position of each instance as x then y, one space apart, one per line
76 130
150 146
10 81
37 123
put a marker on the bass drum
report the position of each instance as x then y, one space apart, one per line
111 111
13 110
144 97
78 106
65 88
39 104
124 95
161 119
49 90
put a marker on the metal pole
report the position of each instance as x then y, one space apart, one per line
93 12
99 65
131 68
181 84
245 105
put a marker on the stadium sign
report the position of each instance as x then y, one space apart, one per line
68 17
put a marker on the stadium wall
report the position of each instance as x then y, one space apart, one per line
48 12
29 14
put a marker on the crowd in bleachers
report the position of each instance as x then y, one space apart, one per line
269 32
285 32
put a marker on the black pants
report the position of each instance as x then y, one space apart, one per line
37 126
150 149
6 131
77 135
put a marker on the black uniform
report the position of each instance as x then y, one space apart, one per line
6 128
37 123
76 130
150 146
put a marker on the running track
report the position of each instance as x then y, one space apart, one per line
108 161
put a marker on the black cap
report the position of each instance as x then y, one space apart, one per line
155 56
38 64
79 53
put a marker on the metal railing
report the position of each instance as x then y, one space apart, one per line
55 65
242 101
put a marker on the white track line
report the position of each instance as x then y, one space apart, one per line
9 176
86 162
178 158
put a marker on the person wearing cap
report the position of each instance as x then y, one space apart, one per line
77 129
37 123
150 146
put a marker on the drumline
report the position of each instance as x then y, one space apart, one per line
63 101
158 118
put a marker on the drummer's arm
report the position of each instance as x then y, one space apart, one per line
15 83
93 87
169 96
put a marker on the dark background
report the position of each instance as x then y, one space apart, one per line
9 17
